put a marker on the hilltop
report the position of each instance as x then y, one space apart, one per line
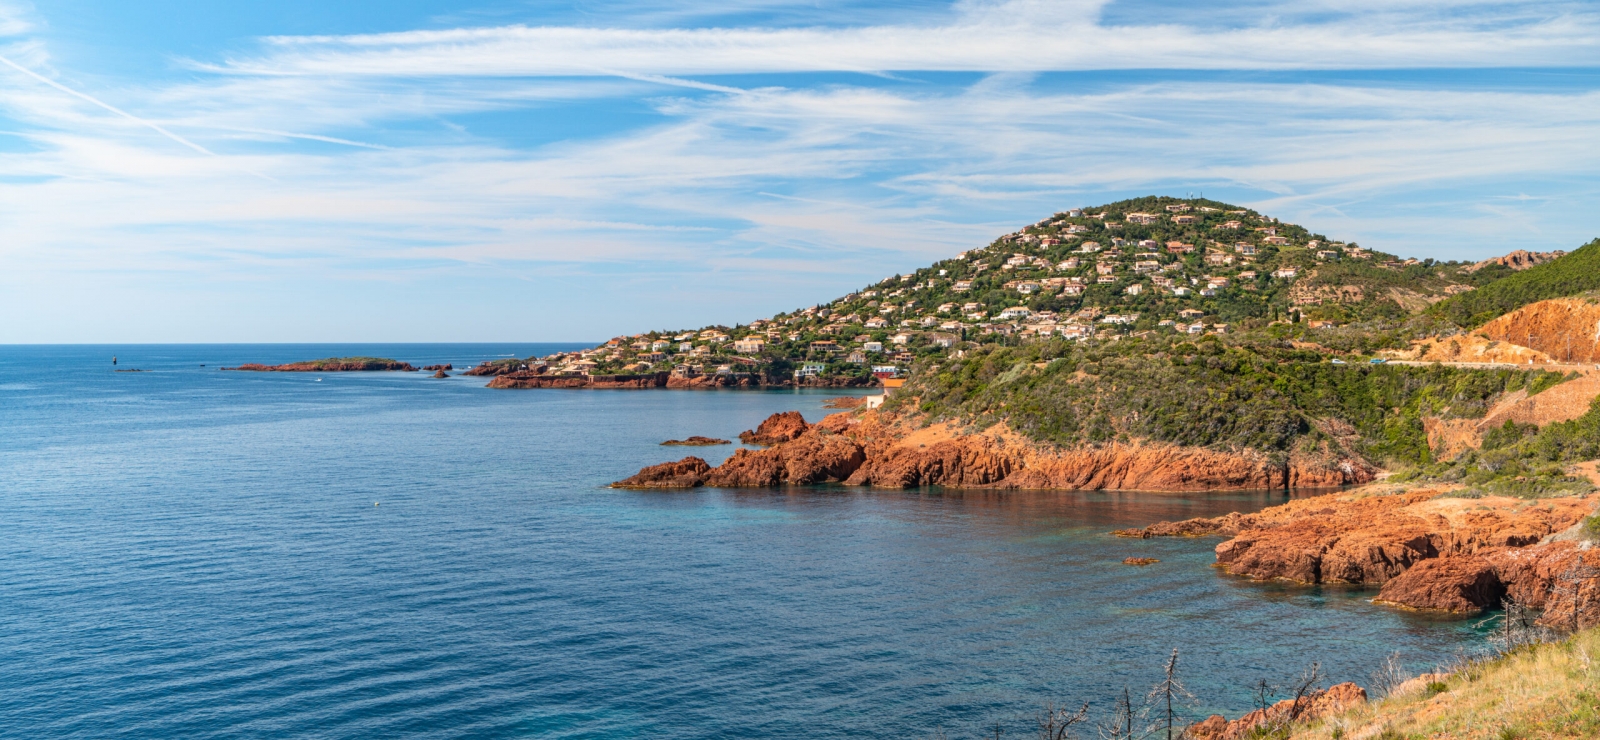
1148 265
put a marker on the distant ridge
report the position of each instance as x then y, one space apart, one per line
1519 260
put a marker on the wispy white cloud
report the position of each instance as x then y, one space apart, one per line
1018 35
773 195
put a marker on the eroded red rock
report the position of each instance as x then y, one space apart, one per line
690 472
776 429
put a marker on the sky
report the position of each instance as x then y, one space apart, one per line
435 171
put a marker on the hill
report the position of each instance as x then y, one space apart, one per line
1154 264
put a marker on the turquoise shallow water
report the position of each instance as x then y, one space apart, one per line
191 553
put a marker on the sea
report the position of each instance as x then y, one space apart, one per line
187 552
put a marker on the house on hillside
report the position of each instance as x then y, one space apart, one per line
1143 218
1185 220
749 345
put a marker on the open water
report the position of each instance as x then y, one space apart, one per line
192 553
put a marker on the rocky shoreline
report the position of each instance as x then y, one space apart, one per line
1424 549
872 449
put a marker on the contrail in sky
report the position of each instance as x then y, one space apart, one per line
107 106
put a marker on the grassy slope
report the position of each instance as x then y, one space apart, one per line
1546 691
1578 272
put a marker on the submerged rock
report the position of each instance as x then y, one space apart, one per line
696 441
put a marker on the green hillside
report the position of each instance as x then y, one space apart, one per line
1575 273
1215 391
1135 267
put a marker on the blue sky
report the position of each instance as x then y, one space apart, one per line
425 170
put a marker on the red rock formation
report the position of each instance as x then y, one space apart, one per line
1336 699
1567 329
505 367
1427 551
530 379
708 382
689 472
1464 585
813 458
446 366
892 456
696 441
776 429
441 374
324 366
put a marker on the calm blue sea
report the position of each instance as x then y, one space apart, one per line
192 553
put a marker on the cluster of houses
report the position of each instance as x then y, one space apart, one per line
1131 264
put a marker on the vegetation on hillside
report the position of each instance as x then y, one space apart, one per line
1525 460
1219 392
1164 265
1575 273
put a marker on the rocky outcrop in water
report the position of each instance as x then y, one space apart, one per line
335 365
446 366
689 472
695 441
441 374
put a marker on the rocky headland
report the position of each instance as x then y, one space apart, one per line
1424 549
879 450
331 365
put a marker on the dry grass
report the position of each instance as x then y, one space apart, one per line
1544 691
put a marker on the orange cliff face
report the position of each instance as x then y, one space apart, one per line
1425 549
870 449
